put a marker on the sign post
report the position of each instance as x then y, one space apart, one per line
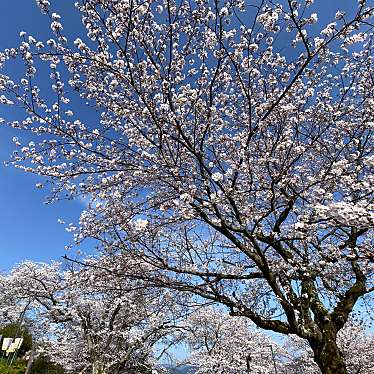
17 341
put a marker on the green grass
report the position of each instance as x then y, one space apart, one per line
18 367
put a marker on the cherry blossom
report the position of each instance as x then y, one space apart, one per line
231 345
86 319
232 153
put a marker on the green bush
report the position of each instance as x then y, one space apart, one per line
18 367
42 365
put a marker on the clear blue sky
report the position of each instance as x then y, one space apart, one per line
28 228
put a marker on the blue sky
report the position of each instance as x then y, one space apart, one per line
29 228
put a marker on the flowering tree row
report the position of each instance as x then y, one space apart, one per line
90 323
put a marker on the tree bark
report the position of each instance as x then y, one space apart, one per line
98 368
328 356
30 361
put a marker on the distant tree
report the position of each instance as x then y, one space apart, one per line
92 321
220 344
233 152
11 307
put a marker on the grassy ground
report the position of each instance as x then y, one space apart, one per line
18 367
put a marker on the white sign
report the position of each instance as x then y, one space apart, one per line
12 348
6 343
18 342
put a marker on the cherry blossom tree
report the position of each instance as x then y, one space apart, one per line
220 343
92 322
232 153
10 307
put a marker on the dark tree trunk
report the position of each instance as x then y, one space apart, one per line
328 356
